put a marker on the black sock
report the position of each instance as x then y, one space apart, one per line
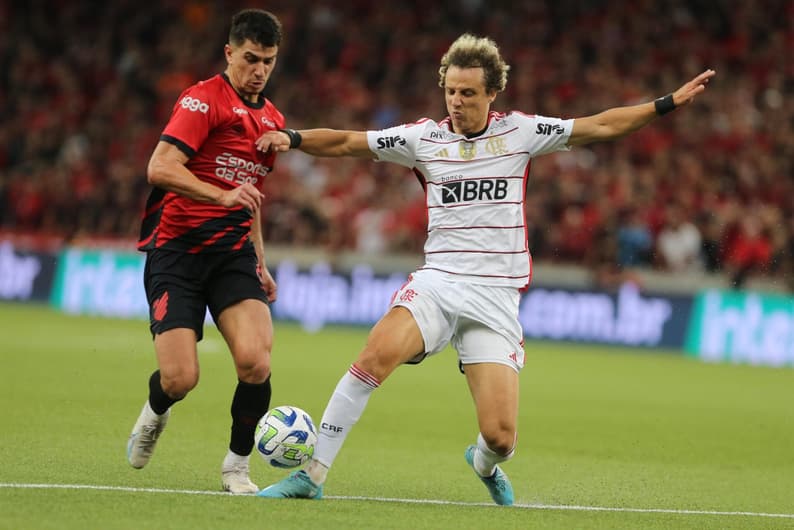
158 399
251 402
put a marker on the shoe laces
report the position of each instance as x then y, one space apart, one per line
236 468
147 438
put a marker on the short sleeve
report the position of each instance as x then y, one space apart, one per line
396 144
545 135
191 119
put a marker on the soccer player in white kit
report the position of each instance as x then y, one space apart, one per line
474 166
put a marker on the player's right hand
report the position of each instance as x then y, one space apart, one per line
273 140
245 195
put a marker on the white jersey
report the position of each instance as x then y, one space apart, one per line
475 190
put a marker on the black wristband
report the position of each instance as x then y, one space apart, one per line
664 105
295 137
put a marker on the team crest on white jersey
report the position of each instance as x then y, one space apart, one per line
468 150
496 145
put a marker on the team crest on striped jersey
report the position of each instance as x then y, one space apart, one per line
468 150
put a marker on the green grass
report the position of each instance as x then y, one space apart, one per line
599 428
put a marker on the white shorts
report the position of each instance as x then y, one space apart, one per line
480 321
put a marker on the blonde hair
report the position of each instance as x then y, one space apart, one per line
469 51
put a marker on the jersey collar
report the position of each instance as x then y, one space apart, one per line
448 122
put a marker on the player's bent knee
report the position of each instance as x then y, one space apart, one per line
500 441
178 386
253 371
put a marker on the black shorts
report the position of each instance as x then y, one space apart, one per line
181 286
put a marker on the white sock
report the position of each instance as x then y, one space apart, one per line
234 460
342 412
150 413
485 459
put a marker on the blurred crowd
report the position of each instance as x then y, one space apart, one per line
86 88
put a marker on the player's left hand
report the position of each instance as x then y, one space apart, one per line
685 94
268 283
273 141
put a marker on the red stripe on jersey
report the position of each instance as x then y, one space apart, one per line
151 218
470 274
529 279
474 204
456 140
210 241
240 243
143 243
484 177
477 251
526 228
150 209
477 228
454 161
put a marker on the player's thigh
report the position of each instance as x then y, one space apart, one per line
239 306
395 339
177 360
431 304
494 388
247 328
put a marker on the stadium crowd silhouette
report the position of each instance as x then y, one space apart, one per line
86 88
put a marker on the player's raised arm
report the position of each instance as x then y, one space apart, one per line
318 142
619 121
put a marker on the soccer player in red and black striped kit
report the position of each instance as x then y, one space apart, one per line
203 241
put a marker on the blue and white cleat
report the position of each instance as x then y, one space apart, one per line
296 486
145 432
498 484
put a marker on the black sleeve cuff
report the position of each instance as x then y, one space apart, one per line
179 144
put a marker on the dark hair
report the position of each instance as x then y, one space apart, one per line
257 25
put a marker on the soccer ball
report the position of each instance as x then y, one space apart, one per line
285 437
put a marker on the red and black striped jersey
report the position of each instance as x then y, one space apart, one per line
216 129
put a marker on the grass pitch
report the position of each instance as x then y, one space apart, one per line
609 438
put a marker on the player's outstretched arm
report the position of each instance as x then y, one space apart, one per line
318 142
619 121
